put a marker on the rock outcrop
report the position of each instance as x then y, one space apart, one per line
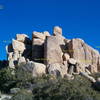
21 47
55 55
84 54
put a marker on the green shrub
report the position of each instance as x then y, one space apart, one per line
23 95
62 89
7 79
10 78
23 77
46 87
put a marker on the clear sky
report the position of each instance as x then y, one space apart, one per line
78 18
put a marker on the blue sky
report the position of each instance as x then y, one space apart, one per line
78 18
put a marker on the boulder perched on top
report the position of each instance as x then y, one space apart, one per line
38 35
23 38
57 31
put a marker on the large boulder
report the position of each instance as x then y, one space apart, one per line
57 69
36 69
21 60
18 46
23 38
57 31
38 35
53 49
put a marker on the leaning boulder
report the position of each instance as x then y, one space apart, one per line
57 31
23 38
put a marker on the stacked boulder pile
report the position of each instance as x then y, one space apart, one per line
53 54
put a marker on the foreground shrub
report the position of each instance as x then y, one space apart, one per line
10 78
23 95
7 79
62 89
46 87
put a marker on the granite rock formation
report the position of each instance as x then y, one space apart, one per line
53 54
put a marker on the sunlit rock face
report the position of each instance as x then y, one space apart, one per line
53 54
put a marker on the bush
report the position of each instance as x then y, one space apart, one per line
62 89
46 87
23 95
7 80
10 78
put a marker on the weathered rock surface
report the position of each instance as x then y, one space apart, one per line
38 35
21 60
57 31
36 69
21 47
38 40
83 53
23 38
53 54
57 69
18 46
53 49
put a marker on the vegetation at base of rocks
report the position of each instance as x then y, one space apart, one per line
23 95
46 87
6 79
10 78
